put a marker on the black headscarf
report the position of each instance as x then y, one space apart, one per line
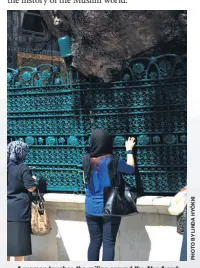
101 144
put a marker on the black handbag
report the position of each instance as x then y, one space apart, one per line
120 200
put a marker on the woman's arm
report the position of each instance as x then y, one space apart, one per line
32 189
129 166
130 143
28 179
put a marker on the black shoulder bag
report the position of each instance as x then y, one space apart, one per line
119 200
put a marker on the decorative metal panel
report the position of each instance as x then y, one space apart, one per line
55 117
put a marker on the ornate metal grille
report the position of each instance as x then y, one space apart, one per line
55 118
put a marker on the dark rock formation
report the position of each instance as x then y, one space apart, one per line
103 40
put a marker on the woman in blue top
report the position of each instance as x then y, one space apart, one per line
97 166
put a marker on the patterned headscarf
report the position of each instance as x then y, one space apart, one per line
17 151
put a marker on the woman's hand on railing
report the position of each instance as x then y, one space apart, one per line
130 143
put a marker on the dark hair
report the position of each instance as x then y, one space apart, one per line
95 161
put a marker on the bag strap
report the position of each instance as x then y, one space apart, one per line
112 171
40 202
38 195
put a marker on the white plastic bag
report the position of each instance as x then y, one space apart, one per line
178 202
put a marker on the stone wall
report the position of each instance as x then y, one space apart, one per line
149 236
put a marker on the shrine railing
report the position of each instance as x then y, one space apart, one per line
55 118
